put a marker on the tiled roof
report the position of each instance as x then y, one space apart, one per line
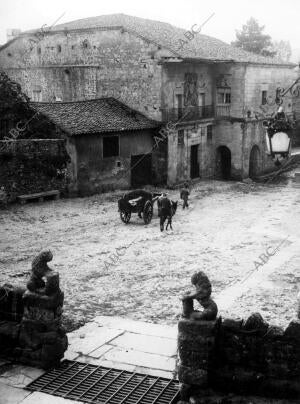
94 116
169 36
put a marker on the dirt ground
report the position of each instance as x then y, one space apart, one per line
225 230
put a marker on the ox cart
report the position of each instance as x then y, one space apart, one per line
138 201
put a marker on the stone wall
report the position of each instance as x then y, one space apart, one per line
267 78
97 174
247 357
240 138
30 325
87 64
32 165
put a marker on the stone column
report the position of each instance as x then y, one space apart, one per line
196 343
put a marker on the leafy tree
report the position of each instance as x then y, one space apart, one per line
15 108
283 50
12 99
252 39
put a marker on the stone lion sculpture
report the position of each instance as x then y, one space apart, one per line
202 295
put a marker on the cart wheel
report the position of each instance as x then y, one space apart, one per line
125 216
147 212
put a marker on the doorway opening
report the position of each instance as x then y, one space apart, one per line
254 162
141 170
223 163
194 161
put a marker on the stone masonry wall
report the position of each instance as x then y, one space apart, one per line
30 325
32 165
98 174
247 357
240 138
87 64
267 78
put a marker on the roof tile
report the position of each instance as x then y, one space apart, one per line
170 37
94 116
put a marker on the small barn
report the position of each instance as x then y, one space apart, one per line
110 145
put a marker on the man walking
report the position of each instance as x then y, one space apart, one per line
184 195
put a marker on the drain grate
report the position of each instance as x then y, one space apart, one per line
97 384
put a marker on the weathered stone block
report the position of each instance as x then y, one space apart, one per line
11 303
190 375
293 330
256 323
192 327
232 324
275 332
43 301
196 343
197 360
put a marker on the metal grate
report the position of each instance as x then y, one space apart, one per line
97 384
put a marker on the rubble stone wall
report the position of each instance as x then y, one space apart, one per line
32 165
30 326
247 357
88 64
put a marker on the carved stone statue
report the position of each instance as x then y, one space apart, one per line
42 339
39 270
202 295
43 285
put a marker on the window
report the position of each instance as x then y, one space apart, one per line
264 97
201 99
110 146
209 133
36 95
39 50
180 137
223 96
58 48
86 44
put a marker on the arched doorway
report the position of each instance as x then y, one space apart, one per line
223 163
254 162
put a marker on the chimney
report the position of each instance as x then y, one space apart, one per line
12 33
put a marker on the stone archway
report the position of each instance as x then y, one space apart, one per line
223 163
254 162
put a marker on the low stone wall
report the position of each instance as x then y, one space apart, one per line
30 320
32 165
246 357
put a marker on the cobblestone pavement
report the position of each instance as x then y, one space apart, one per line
224 233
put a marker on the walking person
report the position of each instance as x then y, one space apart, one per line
184 195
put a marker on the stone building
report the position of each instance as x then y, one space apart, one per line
215 92
109 144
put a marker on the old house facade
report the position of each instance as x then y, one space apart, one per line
214 92
109 144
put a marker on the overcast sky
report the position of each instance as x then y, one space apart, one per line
281 18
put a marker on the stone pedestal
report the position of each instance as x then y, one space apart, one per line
43 340
196 342
30 321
